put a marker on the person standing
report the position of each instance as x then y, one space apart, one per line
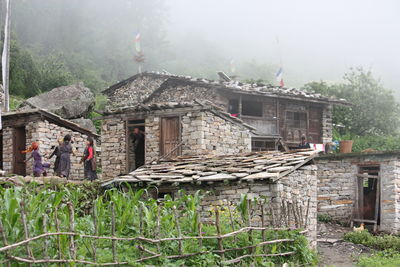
39 168
65 156
89 160
138 147
57 153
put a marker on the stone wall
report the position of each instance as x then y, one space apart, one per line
337 186
202 133
113 147
47 135
136 91
187 93
300 186
8 150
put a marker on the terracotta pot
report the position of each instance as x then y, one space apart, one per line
346 146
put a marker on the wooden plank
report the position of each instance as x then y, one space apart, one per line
377 201
260 175
367 176
364 221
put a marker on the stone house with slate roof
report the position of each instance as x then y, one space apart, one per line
171 129
287 180
275 112
21 128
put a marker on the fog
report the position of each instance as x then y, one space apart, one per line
312 39
93 40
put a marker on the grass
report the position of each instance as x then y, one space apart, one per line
381 259
381 242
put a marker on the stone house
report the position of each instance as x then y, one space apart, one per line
275 112
286 180
361 187
22 128
171 129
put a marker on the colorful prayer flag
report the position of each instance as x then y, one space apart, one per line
279 77
137 43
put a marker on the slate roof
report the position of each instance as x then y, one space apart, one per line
234 86
200 105
51 117
270 165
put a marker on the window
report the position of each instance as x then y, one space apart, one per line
252 108
296 119
233 106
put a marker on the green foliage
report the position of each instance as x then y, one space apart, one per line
136 215
381 259
325 218
374 110
384 242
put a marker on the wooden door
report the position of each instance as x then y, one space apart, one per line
315 125
19 144
1 149
170 137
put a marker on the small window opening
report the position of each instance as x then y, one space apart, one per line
252 108
233 107
296 119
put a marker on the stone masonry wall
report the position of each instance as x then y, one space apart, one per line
47 135
202 133
113 148
8 150
337 187
298 186
136 91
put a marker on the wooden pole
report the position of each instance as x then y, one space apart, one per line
94 244
219 239
251 250
46 240
114 242
158 228
26 231
6 56
178 227
60 255
72 248
199 227
4 238
263 224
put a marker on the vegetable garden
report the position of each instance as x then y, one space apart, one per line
66 225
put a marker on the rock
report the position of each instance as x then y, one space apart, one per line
69 102
85 123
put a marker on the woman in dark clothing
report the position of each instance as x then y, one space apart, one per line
57 153
65 151
90 160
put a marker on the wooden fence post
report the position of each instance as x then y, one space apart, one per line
249 224
72 248
219 239
199 228
26 231
94 242
114 242
179 230
263 224
4 238
158 228
46 239
60 254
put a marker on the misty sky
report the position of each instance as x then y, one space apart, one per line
317 39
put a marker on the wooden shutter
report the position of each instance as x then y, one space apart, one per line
315 125
170 136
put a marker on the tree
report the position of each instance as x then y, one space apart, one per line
374 110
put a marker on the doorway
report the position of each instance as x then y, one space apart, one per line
1 150
19 144
368 195
136 144
170 145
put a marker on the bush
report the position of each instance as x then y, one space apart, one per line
325 218
381 259
384 242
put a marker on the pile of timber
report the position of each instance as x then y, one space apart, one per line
197 169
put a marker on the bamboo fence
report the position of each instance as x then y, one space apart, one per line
288 212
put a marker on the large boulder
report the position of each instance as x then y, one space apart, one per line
85 123
69 102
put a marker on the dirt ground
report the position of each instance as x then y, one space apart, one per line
333 250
